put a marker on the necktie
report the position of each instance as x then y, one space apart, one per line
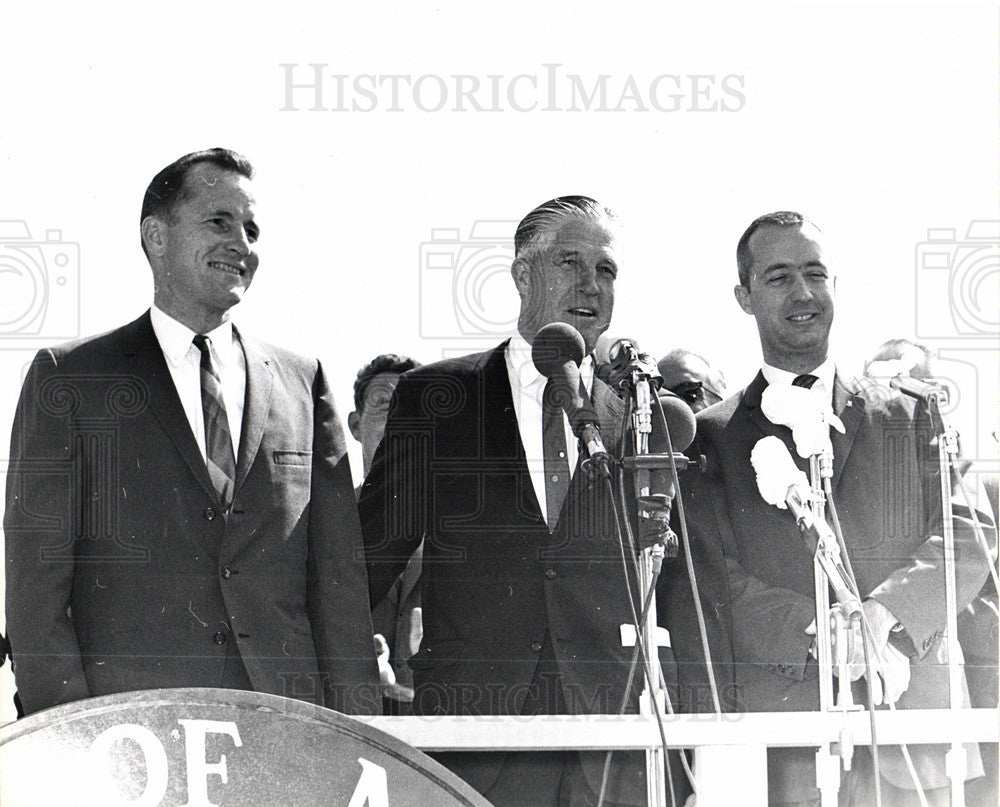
220 458
554 454
805 380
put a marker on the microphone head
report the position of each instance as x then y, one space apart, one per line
554 345
680 423
776 471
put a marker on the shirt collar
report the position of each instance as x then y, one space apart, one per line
175 337
519 360
825 373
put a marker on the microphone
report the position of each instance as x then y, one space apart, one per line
556 352
783 485
925 391
654 507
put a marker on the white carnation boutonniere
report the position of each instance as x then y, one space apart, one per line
805 413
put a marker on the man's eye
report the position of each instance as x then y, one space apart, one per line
608 270
774 280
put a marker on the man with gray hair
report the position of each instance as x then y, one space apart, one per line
524 593
691 377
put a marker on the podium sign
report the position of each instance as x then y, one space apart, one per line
213 748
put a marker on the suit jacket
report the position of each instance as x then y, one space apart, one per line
123 572
887 495
497 585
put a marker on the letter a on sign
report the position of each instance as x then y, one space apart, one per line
372 789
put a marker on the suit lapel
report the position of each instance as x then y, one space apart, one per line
143 352
849 406
257 404
498 425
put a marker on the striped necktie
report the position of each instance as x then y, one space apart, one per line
220 458
805 380
554 457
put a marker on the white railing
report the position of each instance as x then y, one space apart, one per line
730 749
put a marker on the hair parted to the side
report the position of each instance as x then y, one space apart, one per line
780 218
384 363
536 232
167 188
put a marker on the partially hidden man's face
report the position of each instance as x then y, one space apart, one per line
791 295
690 378
206 247
573 282
367 425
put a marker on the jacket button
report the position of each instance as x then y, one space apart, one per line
209 513
219 638
550 574
226 573
536 646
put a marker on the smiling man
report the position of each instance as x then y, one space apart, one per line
523 590
179 503
887 494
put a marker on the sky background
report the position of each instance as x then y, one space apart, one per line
878 121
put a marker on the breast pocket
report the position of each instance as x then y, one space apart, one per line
291 478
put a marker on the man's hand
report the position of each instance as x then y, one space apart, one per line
386 675
890 673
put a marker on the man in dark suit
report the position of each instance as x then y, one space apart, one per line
886 492
397 618
179 503
524 592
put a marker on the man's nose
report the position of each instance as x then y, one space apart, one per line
586 281
800 288
240 241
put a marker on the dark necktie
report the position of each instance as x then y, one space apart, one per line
805 380
221 460
554 454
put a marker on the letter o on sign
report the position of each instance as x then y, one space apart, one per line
155 758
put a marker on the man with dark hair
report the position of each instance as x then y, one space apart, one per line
887 493
179 505
691 377
524 593
397 618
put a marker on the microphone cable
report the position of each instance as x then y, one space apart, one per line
639 650
868 640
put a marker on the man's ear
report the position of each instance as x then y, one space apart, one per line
742 294
154 235
354 425
520 270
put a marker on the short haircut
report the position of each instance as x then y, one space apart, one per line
715 376
385 363
167 188
536 232
780 218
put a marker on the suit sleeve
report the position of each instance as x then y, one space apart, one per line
337 584
915 592
395 498
39 533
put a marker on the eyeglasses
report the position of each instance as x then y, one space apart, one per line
695 391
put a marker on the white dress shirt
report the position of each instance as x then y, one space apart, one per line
184 363
526 388
823 388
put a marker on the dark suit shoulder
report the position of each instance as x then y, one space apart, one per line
715 418
459 366
99 348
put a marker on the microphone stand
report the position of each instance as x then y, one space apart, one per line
653 697
830 622
955 759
